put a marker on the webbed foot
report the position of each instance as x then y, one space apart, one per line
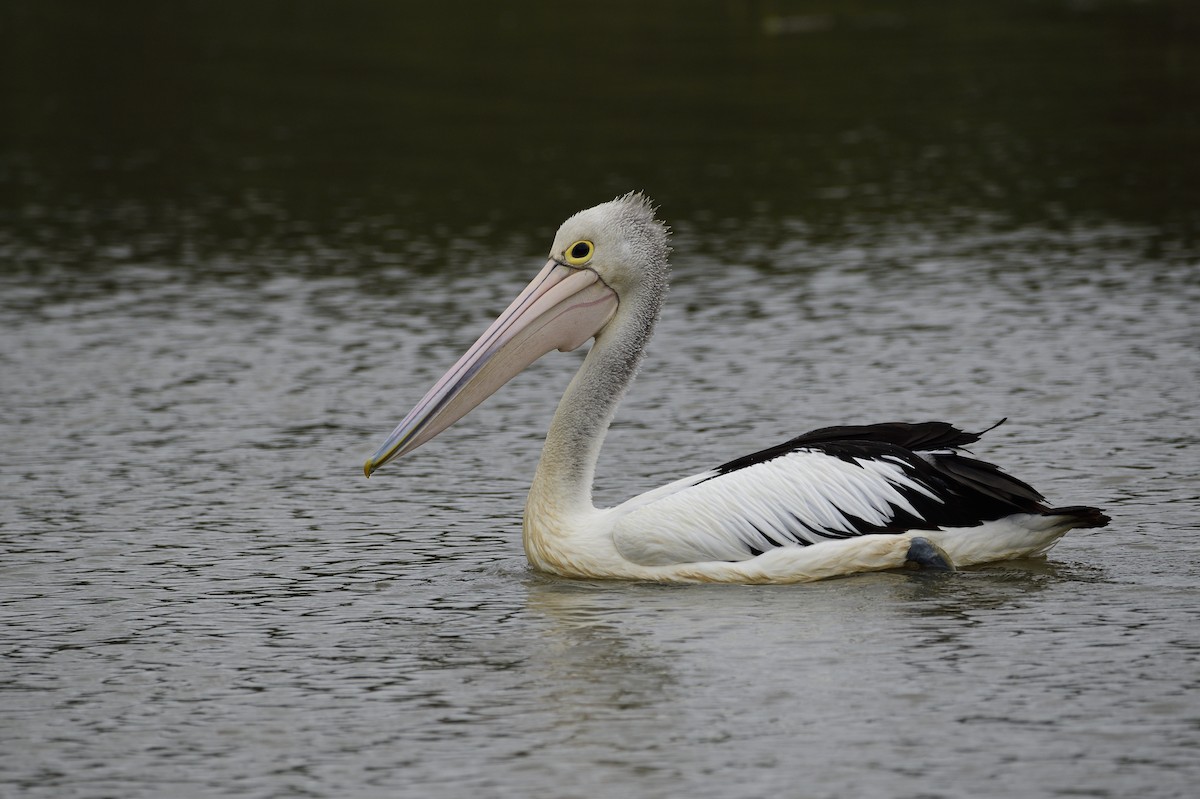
925 554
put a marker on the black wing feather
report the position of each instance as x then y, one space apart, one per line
922 437
970 491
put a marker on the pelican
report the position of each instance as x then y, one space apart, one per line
830 502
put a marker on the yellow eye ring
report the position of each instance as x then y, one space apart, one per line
580 252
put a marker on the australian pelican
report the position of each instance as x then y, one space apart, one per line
833 501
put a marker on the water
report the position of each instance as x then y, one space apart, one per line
201 596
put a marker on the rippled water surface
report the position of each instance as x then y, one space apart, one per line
200 595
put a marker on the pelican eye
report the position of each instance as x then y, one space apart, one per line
580 252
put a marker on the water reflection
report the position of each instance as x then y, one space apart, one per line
607 686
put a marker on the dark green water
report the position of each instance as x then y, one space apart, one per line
239 240
184 128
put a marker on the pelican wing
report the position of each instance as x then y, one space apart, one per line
828 484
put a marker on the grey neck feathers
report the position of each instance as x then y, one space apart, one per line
568 463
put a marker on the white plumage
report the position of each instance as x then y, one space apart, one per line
829 502
780 502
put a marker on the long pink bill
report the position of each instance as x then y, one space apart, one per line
560 310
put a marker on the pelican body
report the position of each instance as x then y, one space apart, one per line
830 502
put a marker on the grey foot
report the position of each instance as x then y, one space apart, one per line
927 555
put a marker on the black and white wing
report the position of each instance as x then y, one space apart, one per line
833 483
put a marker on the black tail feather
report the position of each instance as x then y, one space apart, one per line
1086 516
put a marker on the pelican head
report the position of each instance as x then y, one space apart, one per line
604 260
